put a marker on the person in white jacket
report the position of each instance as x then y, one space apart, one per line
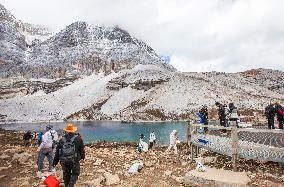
173 141
152 140
46 149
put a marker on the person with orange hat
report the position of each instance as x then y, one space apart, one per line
69 151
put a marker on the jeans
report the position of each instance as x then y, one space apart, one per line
71 173
41 155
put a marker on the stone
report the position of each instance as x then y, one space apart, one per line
4 156
4 168
25 184
217 177
98 162
168 173
96 182
2 176
206 160
21 157
178 179
111 179
101 171
282 177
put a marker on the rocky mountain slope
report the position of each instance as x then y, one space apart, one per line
95 72
145 92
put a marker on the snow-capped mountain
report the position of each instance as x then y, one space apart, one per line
102 72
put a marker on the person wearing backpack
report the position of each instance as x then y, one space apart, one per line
279 114
270 114
69 151
45 150
222 116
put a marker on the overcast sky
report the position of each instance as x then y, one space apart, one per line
199 35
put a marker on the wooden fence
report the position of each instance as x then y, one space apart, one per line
235 146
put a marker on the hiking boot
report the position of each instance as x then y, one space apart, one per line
52 170
39 174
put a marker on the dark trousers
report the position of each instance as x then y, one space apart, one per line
270 123
205 123
280 122
223 123
71 173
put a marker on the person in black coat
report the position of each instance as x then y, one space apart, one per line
270 114
27 138
204 112
222 115
69 151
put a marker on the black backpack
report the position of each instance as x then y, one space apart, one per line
68 154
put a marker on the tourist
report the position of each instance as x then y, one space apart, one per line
279 114
27 138
45 150
173 141
270 114
152 140
142 146
69 151
39 138
141 137
233 113
222 116
203 114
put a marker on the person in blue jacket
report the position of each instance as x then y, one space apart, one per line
39 138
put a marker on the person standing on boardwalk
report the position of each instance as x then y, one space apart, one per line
270 114
222 115
279 114
204 115
69 151
233 113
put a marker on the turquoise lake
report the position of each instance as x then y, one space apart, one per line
111 131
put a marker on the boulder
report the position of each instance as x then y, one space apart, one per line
111 179
4 156
21 157
96 182
4 168
217 177
25 184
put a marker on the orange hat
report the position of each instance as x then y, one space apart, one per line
70 128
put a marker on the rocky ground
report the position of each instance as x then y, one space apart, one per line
107 164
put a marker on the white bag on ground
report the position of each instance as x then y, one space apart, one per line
200 167
135 167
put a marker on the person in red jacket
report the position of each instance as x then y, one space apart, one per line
280 115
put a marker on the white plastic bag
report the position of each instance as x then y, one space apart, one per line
200 167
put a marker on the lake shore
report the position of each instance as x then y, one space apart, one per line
108 161
62 121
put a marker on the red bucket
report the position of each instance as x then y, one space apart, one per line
51 181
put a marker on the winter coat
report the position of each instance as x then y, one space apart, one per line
279 112
270 111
